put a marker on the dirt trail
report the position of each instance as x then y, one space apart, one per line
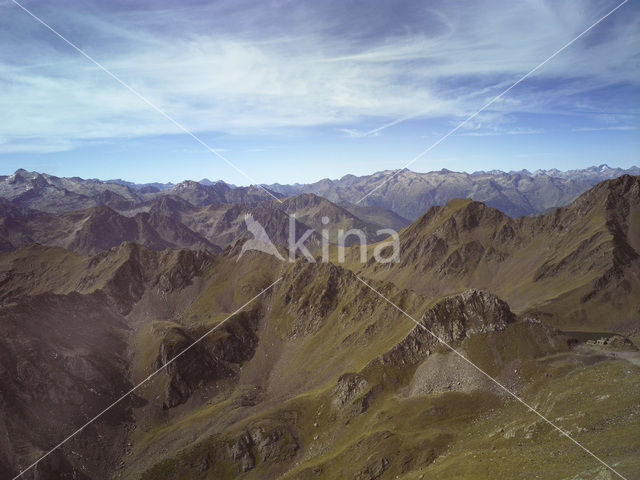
630 356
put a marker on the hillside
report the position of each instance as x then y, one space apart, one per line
322 375
96 229
574 265
261 399
321 214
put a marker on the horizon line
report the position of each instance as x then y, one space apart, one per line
539 171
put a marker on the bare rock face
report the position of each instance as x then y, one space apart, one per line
270 442
273 444
353 395
266 442
216 357
133 268
69 350
373 470
349 386
186 265
615 342
313 291
191 369
451 320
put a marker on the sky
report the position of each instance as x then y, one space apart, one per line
293 91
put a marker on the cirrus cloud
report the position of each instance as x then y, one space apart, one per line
258 67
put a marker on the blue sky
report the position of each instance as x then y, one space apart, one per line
298 91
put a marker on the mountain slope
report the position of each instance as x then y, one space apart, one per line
199 194
325 216
65 350
223 224
97 229
573 265
57 195
379 216
62 358
320 376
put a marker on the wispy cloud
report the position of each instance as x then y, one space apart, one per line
496 132
258 67
492 124
353 133
621 128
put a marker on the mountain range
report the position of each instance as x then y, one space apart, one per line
409 194
406 193
226 364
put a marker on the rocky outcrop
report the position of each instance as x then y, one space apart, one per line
451 320
615 342
267 443
349 386
217 356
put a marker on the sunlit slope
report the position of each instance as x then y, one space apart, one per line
577 266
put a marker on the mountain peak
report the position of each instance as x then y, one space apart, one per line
188 184
24 175
452 319
207 182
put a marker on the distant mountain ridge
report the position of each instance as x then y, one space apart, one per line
48 193
90 216
406 193
410 194
95 229
598 173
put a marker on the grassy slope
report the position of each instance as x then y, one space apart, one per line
549 265
320 323
443 435
434 434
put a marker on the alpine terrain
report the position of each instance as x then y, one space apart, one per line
140 340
